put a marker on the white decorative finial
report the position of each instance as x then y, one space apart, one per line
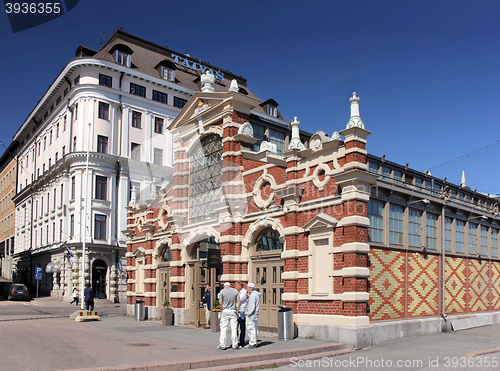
207 82
355 120
234 86
462 183
295 142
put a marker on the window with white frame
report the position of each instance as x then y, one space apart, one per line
158 156
386 173
259 132
167 73
398 177
100 227
396 225
484 241
277 138
122 58
135 151
373 167
376 216
447 234
414 228
431 231
472 238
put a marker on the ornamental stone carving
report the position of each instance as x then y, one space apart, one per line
355 120
246 129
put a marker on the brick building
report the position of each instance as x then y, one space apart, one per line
353 243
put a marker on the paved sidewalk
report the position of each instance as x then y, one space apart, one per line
121 343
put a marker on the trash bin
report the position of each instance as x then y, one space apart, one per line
285 323
139 310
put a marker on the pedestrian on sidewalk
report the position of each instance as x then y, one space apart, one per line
97 289
252 316
242 306
75 296
206 300
229 317
88 294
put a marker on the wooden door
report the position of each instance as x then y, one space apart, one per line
163 286
269 282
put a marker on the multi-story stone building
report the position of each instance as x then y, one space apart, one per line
8 179
97 138
362 249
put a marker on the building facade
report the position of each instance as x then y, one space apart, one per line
363 250
8 181
96 140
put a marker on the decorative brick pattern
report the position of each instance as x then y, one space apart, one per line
423 285
456 286
478 286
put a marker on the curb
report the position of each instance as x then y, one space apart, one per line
248 361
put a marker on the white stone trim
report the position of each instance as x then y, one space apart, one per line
355 195
328 319
352 297
357 220
177 278
290 296
352 272
235 259
176 263
177 295
290 276
230 238
352 247
355 165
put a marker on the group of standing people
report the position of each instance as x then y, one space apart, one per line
240 310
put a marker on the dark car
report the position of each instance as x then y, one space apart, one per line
18 291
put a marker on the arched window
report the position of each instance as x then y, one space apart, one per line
269 241
205 179
167 255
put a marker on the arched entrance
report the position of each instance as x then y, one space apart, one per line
201 276
267 271
99 270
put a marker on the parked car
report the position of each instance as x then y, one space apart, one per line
18 291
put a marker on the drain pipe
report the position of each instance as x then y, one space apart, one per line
443 268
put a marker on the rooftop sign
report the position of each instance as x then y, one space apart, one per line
196 66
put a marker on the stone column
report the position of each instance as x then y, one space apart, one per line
125 131
148 136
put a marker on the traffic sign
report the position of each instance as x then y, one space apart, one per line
120 265
38 273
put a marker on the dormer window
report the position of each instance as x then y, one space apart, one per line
272 111
167 73
122 58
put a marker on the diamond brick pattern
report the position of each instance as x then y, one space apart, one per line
495 287
387 285
456 286
423 285
478 287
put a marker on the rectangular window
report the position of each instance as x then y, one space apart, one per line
64 124
105 80
386 173
53 231
136 119
431 231
436 189
398 177
472 238
272 111
103 111
57 157
73 188
102 144
414 228
158 158
100 227
64 150
484 240
373 168
459 236
138 90
259 132
376 216
179 102
167 73
76 81
447 234
100 187
396 225
72 226
277 138
135 151
76 112
159 97
62 194
122 58
494 242
50 137
57 130
60 230
158 125
428 186
55 197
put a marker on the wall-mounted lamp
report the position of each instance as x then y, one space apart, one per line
484 217
425 201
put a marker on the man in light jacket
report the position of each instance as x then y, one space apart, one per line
252 315
242 306
228 317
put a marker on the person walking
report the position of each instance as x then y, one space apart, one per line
207 304
252 316
229 317
88 295
97 289
75 296
242 306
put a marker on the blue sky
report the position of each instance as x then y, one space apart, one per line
427 72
